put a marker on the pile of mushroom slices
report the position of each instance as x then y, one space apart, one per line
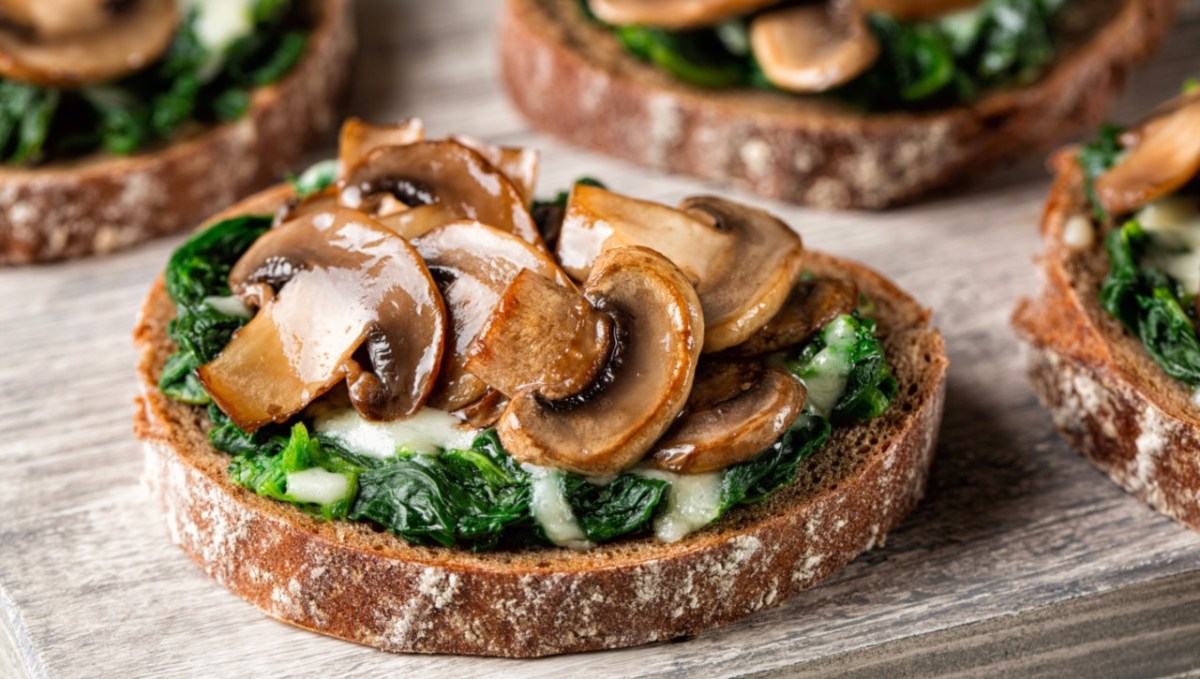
803 48
69 43
421 280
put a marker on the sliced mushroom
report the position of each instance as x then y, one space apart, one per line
674 14
742 260
916 10
340 297
1166 157
485 412
459 181
68 43
735 412
474 264
296 207
518 163
813 48
810 307
657 314
358 138
543 338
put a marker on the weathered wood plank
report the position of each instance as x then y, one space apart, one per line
1014 524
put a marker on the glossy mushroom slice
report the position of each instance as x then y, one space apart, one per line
340 297
1166 156
297 207
674 14
810 307
474 264
657 316
68 43
814 47
742 260
358 138
518 163
916 10
735 412
444 181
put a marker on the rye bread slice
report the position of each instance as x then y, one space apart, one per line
351 581
572 78
101 203
1107 396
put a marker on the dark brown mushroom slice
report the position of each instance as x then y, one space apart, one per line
340 297
70 52
673 14
813 48
735 412
518 163
357 138
446 174
545 339
916 10
1166 156
811 306
474 264
659 320
485 412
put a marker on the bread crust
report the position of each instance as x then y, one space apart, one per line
1106 395
350 581
102 202
571 78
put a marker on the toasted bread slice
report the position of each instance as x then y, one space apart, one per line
102 202
572 78
351 581
1108 397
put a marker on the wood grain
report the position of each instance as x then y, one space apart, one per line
1018 535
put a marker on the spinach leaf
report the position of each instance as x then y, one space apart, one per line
845 370
267 475
317 177
1095 158
622 506
696 57
26 112
754 480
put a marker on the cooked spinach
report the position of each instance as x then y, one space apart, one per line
845 370
267 475
1095 158
1150 304
188 83
754 480
316 178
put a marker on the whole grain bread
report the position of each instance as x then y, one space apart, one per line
101 202
1107 396
351 581
571 77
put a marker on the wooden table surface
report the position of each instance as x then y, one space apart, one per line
1021 560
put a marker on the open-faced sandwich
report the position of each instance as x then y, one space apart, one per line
832 103
401 403
124 120
1114 352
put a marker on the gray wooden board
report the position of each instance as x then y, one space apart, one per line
1017 532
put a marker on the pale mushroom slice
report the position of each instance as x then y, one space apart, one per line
742 260
518 163
64 46
473 265
1166 156
812 305
443 181
657 316
813 48
735 412
916 10
673 14
340 297
357 138
545 339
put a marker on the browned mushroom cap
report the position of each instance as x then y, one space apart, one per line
296 207
358 138
915 10
809 308
1166 157
813 48
673 14
341 298
658 318
518 163
455 178
67 43
543 338
742 260
735 412
474 264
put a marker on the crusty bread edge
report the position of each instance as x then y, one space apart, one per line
104 203
803 151
332 579
1106 396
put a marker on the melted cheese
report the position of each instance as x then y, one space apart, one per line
551 509
825 378
318 486
429 431
693 502
230 306
1175 223
220 23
